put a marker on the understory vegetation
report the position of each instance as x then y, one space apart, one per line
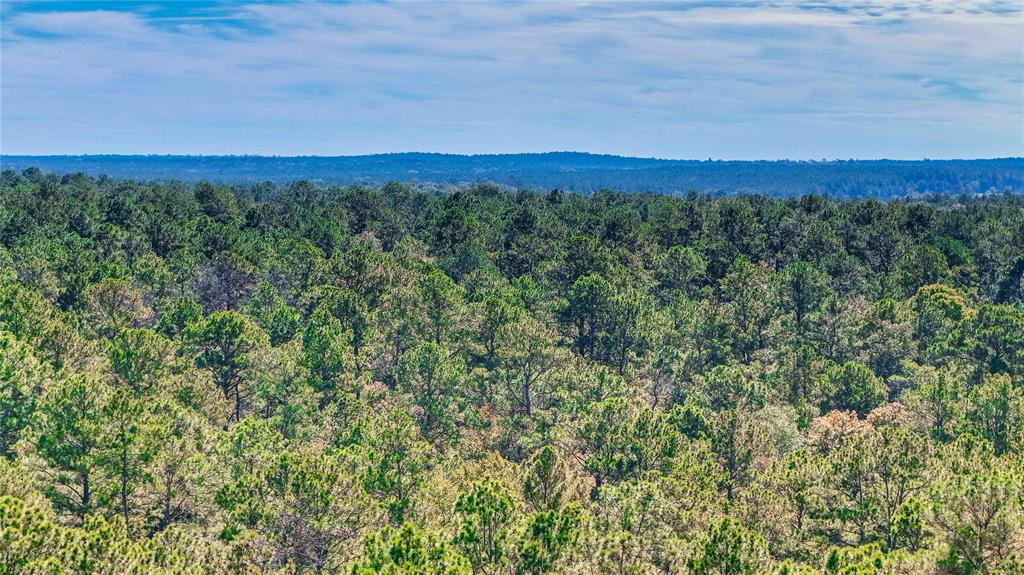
295 379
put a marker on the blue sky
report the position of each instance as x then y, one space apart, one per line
741 79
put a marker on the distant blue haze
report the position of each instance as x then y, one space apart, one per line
566 171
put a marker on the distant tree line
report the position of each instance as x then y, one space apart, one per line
568 171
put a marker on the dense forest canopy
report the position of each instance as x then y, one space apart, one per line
292 378
569 171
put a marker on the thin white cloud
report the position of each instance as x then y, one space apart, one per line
692 79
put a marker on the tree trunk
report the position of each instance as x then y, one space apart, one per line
238 402
86 493
527 400
124 486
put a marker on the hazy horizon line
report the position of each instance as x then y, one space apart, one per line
506 154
